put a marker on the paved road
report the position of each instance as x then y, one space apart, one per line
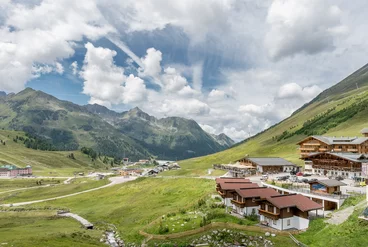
114 181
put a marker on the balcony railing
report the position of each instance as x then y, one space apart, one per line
241 204
352 150
323 149
306 149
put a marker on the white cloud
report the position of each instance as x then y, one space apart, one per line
209 129
304 26
74 67
105 82
44 34
294 90
151 63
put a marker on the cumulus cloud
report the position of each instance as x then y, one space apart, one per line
105 82
304 26
294 90
43 34
151 63
209 129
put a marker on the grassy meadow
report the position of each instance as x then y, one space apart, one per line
43 228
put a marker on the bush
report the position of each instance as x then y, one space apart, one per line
253 216
201 202
163 229
182 211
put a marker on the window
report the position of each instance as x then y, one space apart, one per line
288 210
274 222
288 222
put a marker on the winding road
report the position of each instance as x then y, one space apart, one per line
114 181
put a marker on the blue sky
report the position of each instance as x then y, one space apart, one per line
233 66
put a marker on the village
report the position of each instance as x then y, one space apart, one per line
285 196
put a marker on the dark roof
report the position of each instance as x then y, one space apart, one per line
261 192
330 182
4 169
230 179
361 158
234 186
294 200
271 161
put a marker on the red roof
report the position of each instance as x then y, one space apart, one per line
224 180
294 200
234 186
261 192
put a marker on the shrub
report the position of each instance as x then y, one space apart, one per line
201 202
163 229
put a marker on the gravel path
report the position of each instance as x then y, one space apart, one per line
341 216
114 181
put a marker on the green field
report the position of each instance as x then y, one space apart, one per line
133 205
23 183
43 228
45 163
61 189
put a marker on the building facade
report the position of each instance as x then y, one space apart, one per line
285 212
14 171
317 144
268 164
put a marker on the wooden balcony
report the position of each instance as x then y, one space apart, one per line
312 144
220 192
269 214
323 149
237 203
337 149
306 149
353 150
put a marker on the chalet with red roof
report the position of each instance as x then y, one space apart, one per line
284 212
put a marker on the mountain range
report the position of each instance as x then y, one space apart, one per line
133 134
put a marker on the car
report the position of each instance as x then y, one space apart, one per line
307 175
299 174
313 180
304 180
264 177
339 178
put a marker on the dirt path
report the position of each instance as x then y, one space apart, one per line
341 216
114 181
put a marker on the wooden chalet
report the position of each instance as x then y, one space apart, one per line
284 212
347 165
247 200
313 144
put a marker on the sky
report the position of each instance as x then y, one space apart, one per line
235 67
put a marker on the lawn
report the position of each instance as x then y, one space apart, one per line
43 228
61 189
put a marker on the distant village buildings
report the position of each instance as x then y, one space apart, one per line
14 171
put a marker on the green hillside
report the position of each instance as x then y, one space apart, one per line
45 163
341 110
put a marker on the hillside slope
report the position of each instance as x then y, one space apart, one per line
66 126
341 110
45 163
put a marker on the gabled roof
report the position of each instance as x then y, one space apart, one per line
347 156
334 140
330 182
261 192
234 186
294 200
270 161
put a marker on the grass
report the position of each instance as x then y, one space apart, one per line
45 163
22 183
353 201
352 232
133 205
43 228
76 185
